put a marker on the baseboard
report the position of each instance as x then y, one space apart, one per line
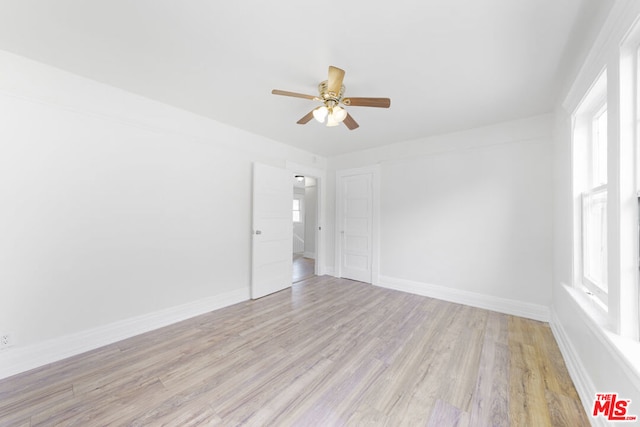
579 375
501 305
308 254
21 359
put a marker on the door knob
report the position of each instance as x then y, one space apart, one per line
258 232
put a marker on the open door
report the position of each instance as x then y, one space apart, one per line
272 233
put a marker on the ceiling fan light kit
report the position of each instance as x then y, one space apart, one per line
320 113
331 121
335 114
331 93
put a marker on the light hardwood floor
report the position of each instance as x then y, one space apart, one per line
302 268
326 352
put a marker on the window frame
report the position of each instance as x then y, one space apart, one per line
599 290
596 185
584 134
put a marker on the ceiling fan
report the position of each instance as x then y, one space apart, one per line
331 93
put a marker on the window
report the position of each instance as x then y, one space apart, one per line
594 240
599 147
606 183
297 210
594 209
624 289
590 147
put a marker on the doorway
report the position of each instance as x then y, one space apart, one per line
305 224
271 247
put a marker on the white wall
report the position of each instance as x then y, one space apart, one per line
118 213
467 216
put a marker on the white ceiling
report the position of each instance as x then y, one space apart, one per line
446 64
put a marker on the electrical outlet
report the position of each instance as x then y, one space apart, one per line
6 340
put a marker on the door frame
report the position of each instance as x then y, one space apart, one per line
320 176
374 171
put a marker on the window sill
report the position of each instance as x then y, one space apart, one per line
590 305
625 351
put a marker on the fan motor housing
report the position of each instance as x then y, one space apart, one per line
323 89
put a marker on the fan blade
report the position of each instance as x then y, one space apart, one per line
350 123
336 75
368 102
305 119
294 94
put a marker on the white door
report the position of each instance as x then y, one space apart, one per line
356 226
272 233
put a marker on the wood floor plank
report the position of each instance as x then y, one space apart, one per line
287 402
410 364
489 405
445 414
325 352
444 376
366 416
21 409
343 393
565 411
190 416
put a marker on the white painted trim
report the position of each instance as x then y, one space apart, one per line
308 254
628 109
473 299
621 17
579 375
21 359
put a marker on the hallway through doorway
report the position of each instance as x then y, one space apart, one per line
303 268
